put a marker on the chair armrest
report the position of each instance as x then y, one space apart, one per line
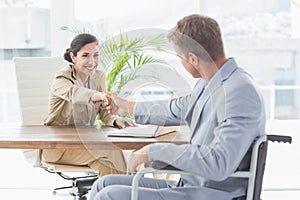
156 168
241 174
158 165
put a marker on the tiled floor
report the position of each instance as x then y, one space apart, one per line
20 180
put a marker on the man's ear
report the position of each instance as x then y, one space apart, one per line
193 59
73 58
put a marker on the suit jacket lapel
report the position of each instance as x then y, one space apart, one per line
93 83
202 100
195 112
196 93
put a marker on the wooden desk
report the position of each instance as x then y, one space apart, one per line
52 137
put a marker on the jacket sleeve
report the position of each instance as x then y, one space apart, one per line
105 117
164 112
67 90
69 104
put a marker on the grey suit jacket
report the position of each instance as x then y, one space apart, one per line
224 115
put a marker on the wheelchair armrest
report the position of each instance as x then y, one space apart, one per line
163 166
160 167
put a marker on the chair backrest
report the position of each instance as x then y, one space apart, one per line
255 172
34 79
260 169
257 168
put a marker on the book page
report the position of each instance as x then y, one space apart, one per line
139 131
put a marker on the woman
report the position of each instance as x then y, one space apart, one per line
76 97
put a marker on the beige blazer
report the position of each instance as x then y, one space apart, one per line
70 102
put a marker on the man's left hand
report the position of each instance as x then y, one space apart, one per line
139 157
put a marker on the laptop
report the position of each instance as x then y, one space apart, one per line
142 131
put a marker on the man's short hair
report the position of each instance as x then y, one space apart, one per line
199 29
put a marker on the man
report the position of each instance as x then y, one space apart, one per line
225 113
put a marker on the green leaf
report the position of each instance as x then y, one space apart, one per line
74 30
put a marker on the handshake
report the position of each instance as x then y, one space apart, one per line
116 105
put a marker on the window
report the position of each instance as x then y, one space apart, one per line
259 34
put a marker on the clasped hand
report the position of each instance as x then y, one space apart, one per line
116 105
112 101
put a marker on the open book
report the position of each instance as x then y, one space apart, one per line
147 131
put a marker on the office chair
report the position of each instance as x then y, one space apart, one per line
254 172
34 79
